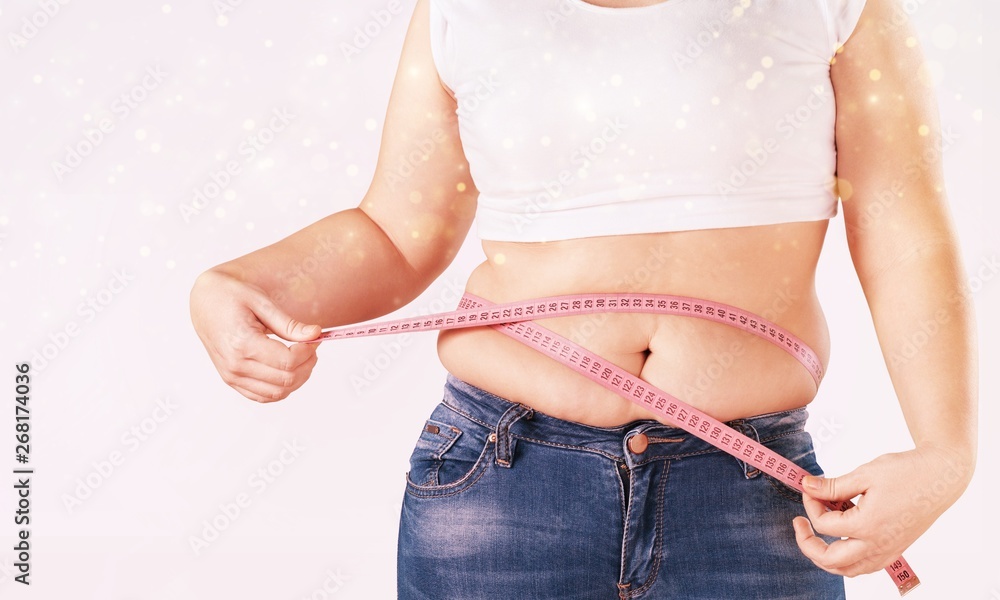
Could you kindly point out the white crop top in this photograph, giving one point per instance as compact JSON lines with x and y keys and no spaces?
{"x":580,"y":120}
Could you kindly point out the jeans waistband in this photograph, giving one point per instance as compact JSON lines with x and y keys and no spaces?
{"x":661,"y":441}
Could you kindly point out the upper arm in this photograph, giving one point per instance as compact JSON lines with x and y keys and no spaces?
{"x":889,"y":142}
{"x":421,"y":195}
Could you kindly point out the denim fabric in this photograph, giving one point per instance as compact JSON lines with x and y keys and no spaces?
{"x":505,"y":502}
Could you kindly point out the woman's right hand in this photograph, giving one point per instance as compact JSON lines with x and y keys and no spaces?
{"x":232,"y":319}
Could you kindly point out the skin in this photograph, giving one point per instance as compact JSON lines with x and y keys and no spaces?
{"x":406,"y":231}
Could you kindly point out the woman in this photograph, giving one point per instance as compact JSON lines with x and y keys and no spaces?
{"x":678,"y":147}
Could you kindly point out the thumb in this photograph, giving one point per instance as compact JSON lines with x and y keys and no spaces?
{"x":283,"y":325}
{"x":844,"y":487}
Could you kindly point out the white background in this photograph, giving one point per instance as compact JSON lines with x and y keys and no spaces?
{"x":331,"y":514}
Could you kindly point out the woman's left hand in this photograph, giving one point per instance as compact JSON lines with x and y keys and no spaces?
{"x":903,"y":493}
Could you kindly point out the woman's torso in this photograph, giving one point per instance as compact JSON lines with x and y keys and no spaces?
{"x":727,"y":373}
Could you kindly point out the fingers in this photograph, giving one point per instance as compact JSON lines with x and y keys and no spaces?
{"x":844,"y":487}
{"x":842,"y":557}
{"x":281,"y":323}
{"x":273,"y":353}
{"x":264,"y":382}
{"x":832,"y":522}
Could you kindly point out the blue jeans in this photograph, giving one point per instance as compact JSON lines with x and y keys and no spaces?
{"x":503,"y":502}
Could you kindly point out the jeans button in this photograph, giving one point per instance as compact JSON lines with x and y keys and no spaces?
{"x":638,"y":443}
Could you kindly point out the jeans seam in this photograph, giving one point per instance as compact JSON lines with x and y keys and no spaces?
{"x":670,"y":457}
{"x":466,"y":415}
{"x":658,"y":546}
{"x":626,"y":530}
{"x":567,"y":446}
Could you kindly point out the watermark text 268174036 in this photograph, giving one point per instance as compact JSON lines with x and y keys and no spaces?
{"x":22,"y":473}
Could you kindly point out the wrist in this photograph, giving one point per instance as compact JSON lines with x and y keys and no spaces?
{"x":959,"y":457}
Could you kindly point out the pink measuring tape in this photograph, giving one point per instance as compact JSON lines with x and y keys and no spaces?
{"x":514,"y":320}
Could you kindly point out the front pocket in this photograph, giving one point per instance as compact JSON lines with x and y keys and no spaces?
{"x":436,"y":438}
{"x":450,"y":454}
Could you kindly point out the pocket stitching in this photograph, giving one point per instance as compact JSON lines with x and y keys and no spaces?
{"x":460,"y":485}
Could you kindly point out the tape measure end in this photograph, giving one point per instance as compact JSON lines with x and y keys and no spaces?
{"x":911,"y":584}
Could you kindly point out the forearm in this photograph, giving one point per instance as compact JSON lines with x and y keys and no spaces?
{"x":341,"y":269}
{"x":924,"y":317}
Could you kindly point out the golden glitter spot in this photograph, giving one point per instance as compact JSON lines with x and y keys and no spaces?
{"x":923,"y":130}
{"x":355,"y":258}
{"x":844,"y":189}
{"x":874,"y":74}
{"x":499,"y":258}
{"x":460,"y":186}
{"x":794,"y":243}
{"x":427,"y":227}
{"x":767,"y":62}
{"x":416,"y":197}
{"x":873,"y":98}
{"x":715,"y":100}
{"x":777,"y":246}
{"x":911,"y":42}
{"x":755,"y":79}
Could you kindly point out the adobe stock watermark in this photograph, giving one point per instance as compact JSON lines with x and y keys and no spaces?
{"x":583,"y":157}
{"x":887,"y":197}
{"x":333,"y":582}
{"x":655,"y":260}
{"x":710,"y":31}
{"x":87,"y":310}
{"x":825,"y":432}
{"x":371,"y":29}
{"x":425,"y":148}
{"x":786,"y":127}
{"x":221,"y":179}
{"x":224,"y":7}
{"x":297,"y":279}
{"x":392,"y":349}
{"x":929,"y":498}
{"x":926,"y":329}
{"x":258,"y":482}
{"x":129,"y":442}
{"x":721,"y":361}
{"x":409,"y":163}
{"x":901,"y":11}
{"x":122,"y":107}
{"x":33,"y":25}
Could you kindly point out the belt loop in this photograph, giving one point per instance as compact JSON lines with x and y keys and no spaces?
{"x":505,"y":440}
{"x":748,"y":430}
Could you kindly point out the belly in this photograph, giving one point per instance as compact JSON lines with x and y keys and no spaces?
{"x":769,"y":270}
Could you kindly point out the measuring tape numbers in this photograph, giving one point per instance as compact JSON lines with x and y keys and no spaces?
{"x":514,"y":320}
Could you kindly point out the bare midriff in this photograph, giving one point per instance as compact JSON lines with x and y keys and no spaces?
{"x":728,"y":373}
